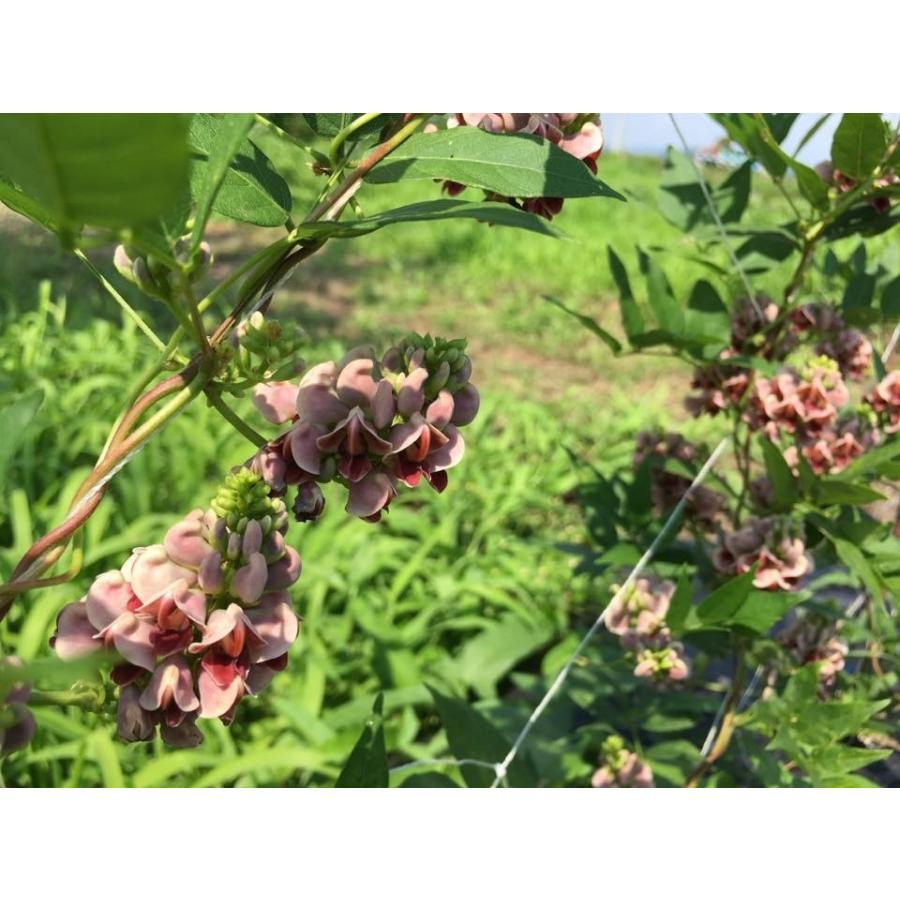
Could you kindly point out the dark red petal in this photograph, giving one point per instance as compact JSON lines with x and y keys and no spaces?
{"x":220,"y":667}
{"x":125,"y":673}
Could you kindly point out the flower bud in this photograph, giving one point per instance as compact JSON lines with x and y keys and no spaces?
{"x":309,"y":503}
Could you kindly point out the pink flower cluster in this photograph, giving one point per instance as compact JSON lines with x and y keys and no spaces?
{"x":17,"y":725}
{"x":370,"y":424}
{"x":667,"y":488}
{"x":579,"y":134}
{"x":811,"y":640}
{"x":848,"y":347}
{"x":637,"y":617}
{"x":884,"y":399}
{"x":807,"y":407}
{"x":880,"y":199}
{"x":621,"y":768}
{"x":721,"y":386}
{"x":197,"y":622}
{"x":779,"y":554}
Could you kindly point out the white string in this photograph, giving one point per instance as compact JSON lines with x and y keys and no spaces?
{"x":892,"y":343}
{"x":503,"y":767}
{"x":715,"y":214}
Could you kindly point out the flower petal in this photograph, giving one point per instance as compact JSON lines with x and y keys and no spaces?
{"x":277,"y":624}
{"x":276,"y":401}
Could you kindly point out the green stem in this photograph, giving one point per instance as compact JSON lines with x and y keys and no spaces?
{"x":261,"y":256}
{"x":269,"y":125}
{"x":89,"y":697}
{"x":227,"y":413}
{"x":129,"y":311}
{"x":344,"y":133}
{"x":726,"y":729}
{"x":193,"y":310}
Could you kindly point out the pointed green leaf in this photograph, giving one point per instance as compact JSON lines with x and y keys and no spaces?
{"x":859,"y":143}
{"x":513,"y":165}
{"x":590,"y":324}
{"x":252,"y":191}
{"x":471,"y":736}
{"x":367,"y":764}
{"x":227,"y":136}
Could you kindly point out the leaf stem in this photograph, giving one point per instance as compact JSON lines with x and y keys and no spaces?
{"x":215,"y":400}
{"x":126,"y":307}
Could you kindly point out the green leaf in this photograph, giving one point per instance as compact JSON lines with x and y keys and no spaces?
{"x":590,"y":324}
{"x":706,"y":320}
{"x":874,"y":459}
{"x":683,"y":202}
{"x":367,"y":763}
{"x":471,"y":736}
{"x":107,"y":759}
{"x":681,"y":602}
{"x":859,"y":143}
{"x":666,"y":308}
{"x":513,"y":165}
{"x":632,"y":320}
{"x":890,"y":299}
{"x":252,"y":191}
{"x":491,"y":654}
{"x":430,"y":211}
{"x":329,"y":124}
{"x":228,"y":135}
{"x":831,"y":491}
{"x":752,"y":131}
{"x":855,"y":560}
{"x":25,"y":206}
{"x":725,"y":601}
{"x":762,"y":609}
{"x":857,"y":300}
{"x":839,"y":759}
{"x":784,"y":484}
{"x":14,"y":420}
{"x":111,"y":170}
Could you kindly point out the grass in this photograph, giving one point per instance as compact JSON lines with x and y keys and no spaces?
{"x":471,"y":591}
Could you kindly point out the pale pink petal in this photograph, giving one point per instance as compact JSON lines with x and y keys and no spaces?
{"x":192,"y":603}
{"x":370,"y":495}
{"x":585,"y":142}
{"x":276,"y":400}
{"x":215,"y":701}
{"x":74,"y":636}
{"x":440,"y":411}
{"x":318,"y":405}
{"x":450,"y":454}
{"x":133,"y":639}
{"x":250,"y":580}
{"x":210,"y":575}
{"x":107,"y":598}
{"x":355,"y":384}
{"x":172,"y":682}
{"x":153,"y":572}
{"x":184,"y":543}
{"x":283,"y":573}
{"x":465,"y":405}
{"x":384,"y":408}
{"x":411,"y":395}
{"x":277,"y":624}
{"x":304,"y":446}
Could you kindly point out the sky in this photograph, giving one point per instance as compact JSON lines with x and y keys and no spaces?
{"x":651,"y":133}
